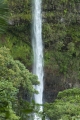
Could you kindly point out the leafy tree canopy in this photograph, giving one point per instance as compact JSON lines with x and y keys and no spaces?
{"x":65,"y":107}
{"x":16,"y":72}
{"x":15,"y":80}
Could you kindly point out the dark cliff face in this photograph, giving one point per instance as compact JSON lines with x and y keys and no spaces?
{"x":53,"y":83}
{"x":61,"y":37}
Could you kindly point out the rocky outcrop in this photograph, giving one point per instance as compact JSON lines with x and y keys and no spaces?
{"x":53,"y":83}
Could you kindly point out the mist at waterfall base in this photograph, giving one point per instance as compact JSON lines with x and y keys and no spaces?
{"x":37,"y":51}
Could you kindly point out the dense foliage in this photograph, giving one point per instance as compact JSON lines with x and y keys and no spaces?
{"x":65,"y":107}
{"x":62,"y":23}
{"x":3,"y":15}
{"x":20,"y":19}
{"x":16,"y":83}
{"x":61,"y":37}
{"x":18,"y":35}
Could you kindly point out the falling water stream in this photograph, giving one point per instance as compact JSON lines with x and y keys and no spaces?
{"x":37,"y":51}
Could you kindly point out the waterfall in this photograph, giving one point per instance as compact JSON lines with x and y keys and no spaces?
{"x":37,"y":50}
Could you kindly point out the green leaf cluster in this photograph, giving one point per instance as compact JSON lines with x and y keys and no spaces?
{"x":65,"y":107}
{"x":15,"y":71}
{"x":16,"y":83}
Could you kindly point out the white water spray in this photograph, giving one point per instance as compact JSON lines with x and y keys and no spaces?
{"x":37,"y":51}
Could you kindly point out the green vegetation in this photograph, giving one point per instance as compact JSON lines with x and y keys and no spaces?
{"x":3,"y":15}
{"x":18,"y":34}
{"x":16,"y":83}
{"x":65,"y":107}
{"x":19,"y":49}
{"x":61,"y":37}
